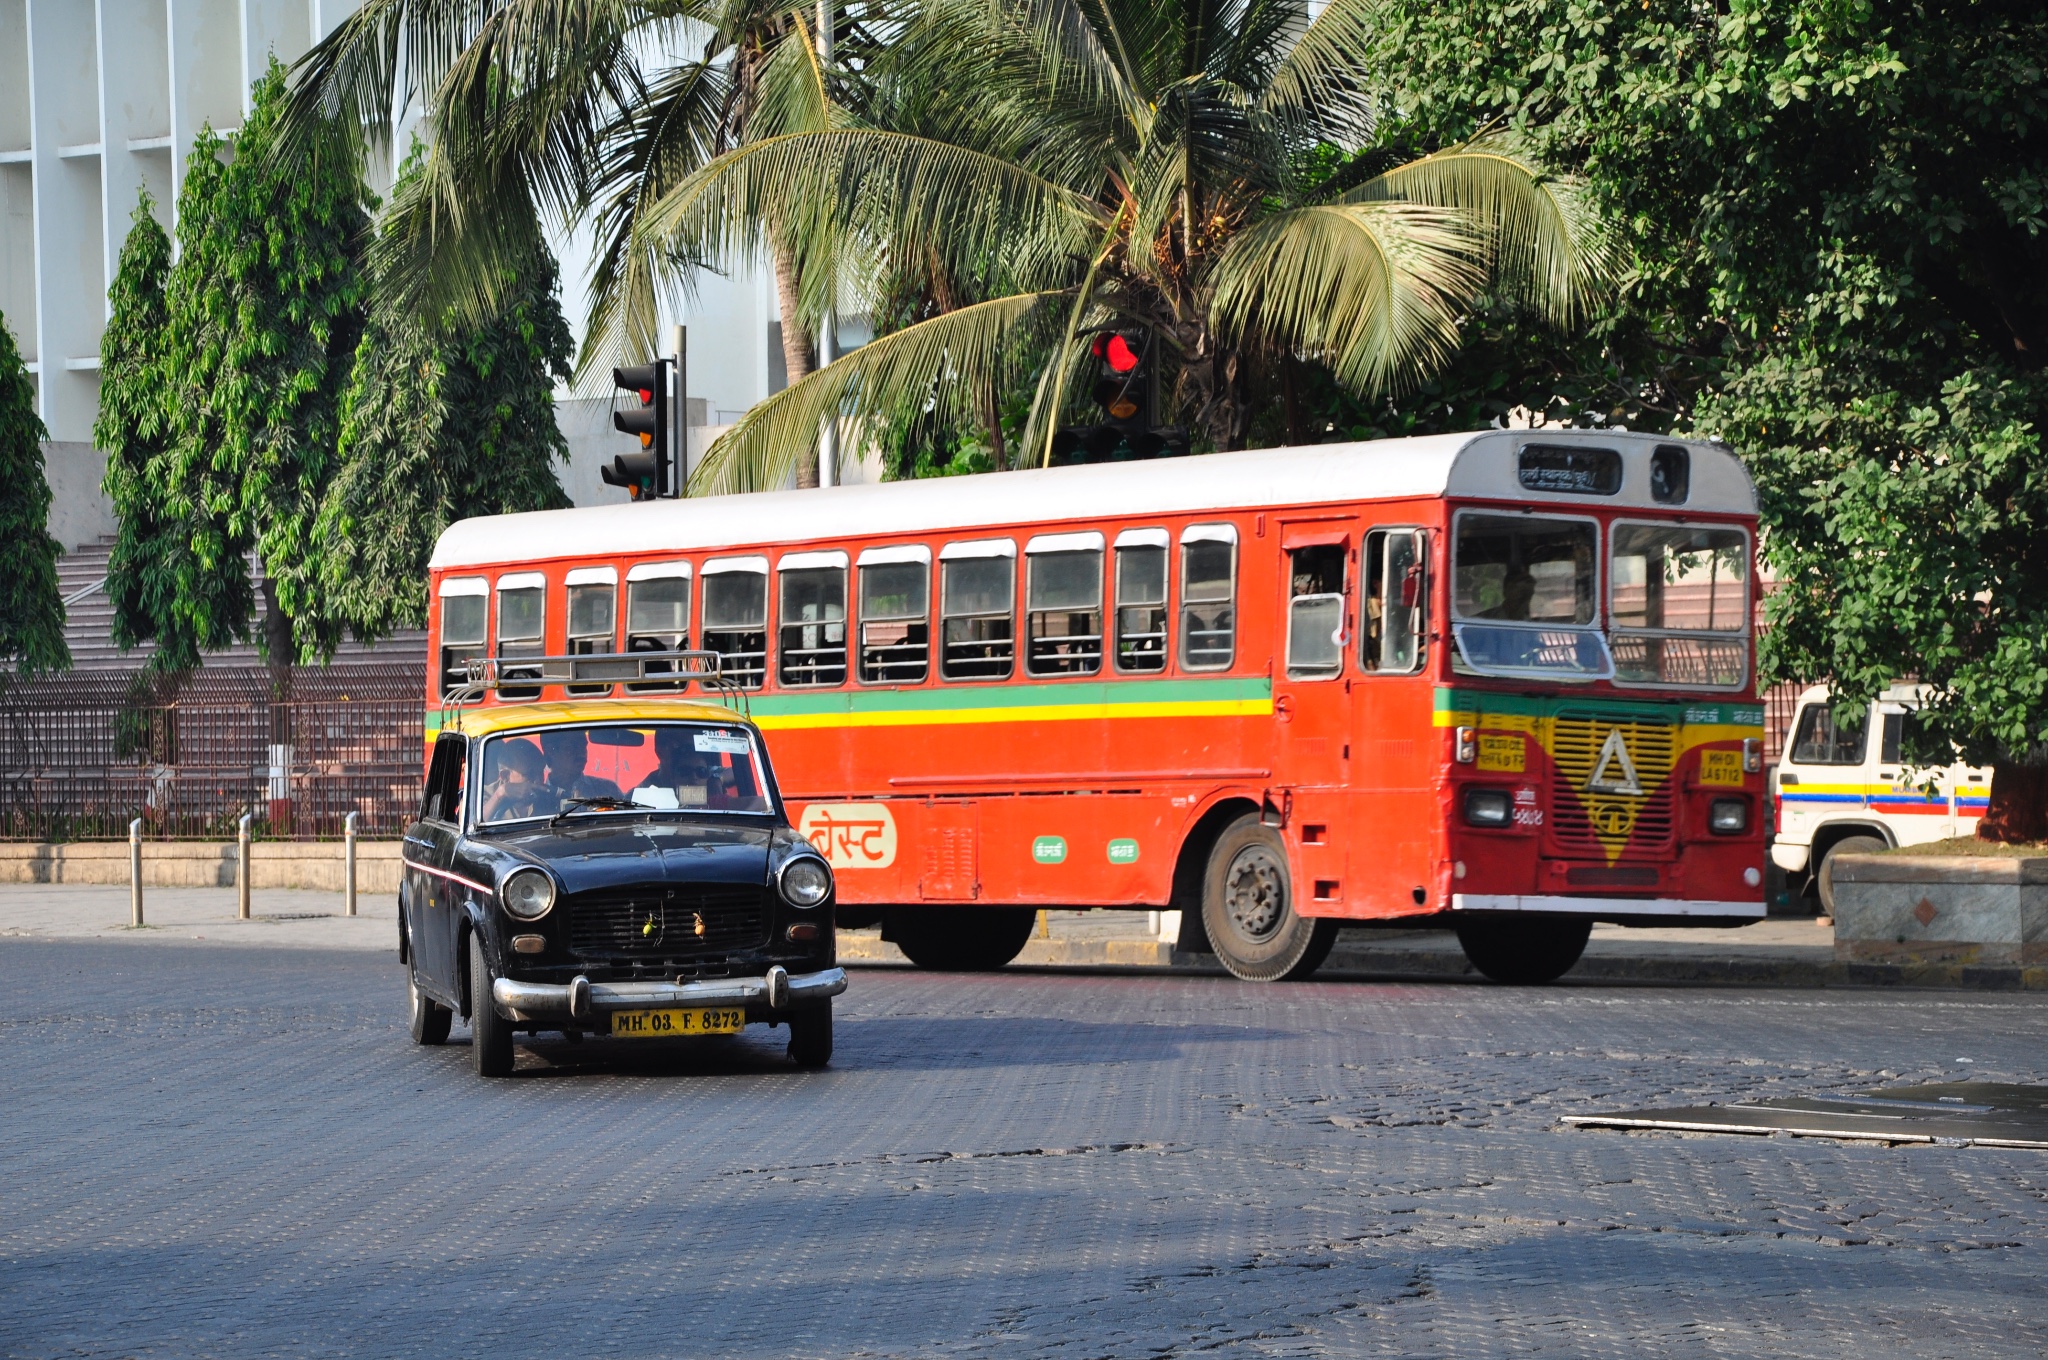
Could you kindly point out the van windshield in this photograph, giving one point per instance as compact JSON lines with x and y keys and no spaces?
{"x":600,"y":768}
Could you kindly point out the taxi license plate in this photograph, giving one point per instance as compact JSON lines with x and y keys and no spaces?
{"x":670,"y":1024}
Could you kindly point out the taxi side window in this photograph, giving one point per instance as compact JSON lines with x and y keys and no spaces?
{"x":1820,"y":740}
{"x":443,"y":798}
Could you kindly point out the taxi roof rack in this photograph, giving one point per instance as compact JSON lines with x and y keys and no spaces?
{"x":483,"y":675}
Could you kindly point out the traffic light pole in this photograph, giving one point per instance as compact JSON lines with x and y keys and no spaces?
{"x":676,"y":478}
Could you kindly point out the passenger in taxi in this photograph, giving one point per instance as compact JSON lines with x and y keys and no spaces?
{"x":515,"y":781}
{"x":568,"y":756}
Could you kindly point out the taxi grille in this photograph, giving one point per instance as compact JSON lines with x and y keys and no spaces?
{"x":1600,"y":822}
{"x":653,"y":923}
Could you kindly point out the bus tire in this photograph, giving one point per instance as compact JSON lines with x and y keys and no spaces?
{"x":1248,"y":908}
{"x":1824,"y":877}
{"x":961,"y":939}
{"x":1523,"y":953}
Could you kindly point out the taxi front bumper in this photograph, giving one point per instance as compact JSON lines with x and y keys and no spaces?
{"x":581,"y":999}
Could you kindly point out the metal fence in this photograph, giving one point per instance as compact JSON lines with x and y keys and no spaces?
{"x":83,"y":753}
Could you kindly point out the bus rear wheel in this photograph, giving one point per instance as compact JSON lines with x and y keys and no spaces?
{"x":960,"y":939}
{"x":1523,"y":953}
{"x":1248,"y":908}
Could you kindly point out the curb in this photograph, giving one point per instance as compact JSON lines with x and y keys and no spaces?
{"x":1379,"y":963}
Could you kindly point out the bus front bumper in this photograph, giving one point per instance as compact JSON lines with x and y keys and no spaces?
{"x":1607,"y":908}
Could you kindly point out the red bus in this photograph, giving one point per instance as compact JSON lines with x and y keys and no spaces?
{"x":1501,"y":681}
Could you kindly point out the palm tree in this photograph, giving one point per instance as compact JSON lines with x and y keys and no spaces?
{"x":1043,"y":169}
{"x":556,"y":112}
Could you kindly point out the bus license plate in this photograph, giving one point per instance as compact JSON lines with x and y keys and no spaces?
{"x":670,"y":1024}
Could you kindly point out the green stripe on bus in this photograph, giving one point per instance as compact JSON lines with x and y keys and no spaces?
{"x":1450,"y":699}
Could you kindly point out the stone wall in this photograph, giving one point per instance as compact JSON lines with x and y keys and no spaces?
{"x":1923,"y":909}
{"x":204,"y":864}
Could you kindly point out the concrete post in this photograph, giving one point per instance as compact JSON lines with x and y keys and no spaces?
{"x":242,"y":868}
{"x":348,"y":869}
{"x":135,"y":872}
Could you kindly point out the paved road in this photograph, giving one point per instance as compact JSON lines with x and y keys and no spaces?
{"x":233,"y":1151}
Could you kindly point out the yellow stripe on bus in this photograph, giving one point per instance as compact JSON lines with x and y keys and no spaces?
{"x":1214,"y":708}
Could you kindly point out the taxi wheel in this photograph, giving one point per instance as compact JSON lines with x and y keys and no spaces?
{"x":429,"y":1019}
{"x":961,"y":939}
{"x":490,"y":1034}
{"x":1523,"y":953}
{"x":810,"y":1036}
{"x":1824,"y":881}
{"x":1248,"y":909}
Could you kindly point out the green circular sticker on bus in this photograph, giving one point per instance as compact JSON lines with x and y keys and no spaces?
{"x":1049,"y":849}
{"x":1123,"y":852}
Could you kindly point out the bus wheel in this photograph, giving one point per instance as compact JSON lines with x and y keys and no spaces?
{"x":1523,"y":953}
{"x":1824,"y":880}
{"x":1248,"y":908}
{"x":961,"y":939}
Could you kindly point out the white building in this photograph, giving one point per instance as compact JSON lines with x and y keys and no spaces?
{"x":100,"y":99}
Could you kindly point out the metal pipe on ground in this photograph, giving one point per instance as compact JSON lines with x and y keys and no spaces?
{"x":135,"y":872}
{"x":242,"y":868}
{"x":348,"y":855}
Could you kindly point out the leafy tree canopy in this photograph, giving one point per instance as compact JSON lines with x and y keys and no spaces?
{"x":31,"y":614}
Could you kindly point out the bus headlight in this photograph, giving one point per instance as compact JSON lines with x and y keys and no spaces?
{"x":806,"y":882}
{"x":1728,"y":816}
{"x":528,"y":894}
{"x":1486,"y":807}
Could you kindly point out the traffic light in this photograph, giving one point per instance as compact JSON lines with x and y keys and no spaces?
{"x":1124,"y":383}
{"x":646,"y":473}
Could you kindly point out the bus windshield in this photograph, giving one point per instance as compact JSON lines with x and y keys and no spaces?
{"x":1526,"y":597}
{"x":599,"y":768}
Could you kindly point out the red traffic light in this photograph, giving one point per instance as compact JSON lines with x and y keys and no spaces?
{"x":1116,"y":351}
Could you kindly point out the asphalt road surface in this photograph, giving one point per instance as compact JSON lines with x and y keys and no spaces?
{"x":235,"y":1151}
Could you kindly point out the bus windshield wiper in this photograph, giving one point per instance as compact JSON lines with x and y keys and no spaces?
{"x":603,"y":803}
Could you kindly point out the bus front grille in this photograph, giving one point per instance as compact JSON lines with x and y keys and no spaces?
{"x":655,"y":923}
{"x":1611,"y":787}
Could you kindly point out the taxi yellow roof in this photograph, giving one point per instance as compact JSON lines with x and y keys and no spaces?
{"x":478,"y":722}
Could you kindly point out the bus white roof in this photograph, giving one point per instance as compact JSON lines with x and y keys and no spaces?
{"x":1477,"y":465}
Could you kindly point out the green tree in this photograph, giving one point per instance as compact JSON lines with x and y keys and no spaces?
{"x":1060,"y":167}
{"x":31,"y":613}
{"x":437,"y":424}
{"x":264,"y":312}
{"x":133,"y":430}
{"x":1838,"y":217}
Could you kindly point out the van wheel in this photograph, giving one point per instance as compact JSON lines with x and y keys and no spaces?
{"x":1521,"y":953}
{"x":1825,"y":879}
{"x":810,"y":1035}
{"x":490,"y":1034}
{"x":960,"y":939}
{"x":1248,"y":908}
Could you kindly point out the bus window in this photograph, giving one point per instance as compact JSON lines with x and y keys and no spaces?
{"x":1208,"y":589}
{"x":1396,"y":601}
{"x":1675,"y":586}
{"x":812,"y":649}
{"x":895,"y":626}
{"x":1315,"y":612}
{"x":1141,"y":600}
{"x":1820,"y":740}
{"x":1524,"y":597}
{"x":736,"y":617}
{"x":465,"y":606}
{"x":522,"y":620}
{"x":977,"y":594}
{"x":1063,"y":600}
{"x":658,"y":618}
{"x":593,"y":623}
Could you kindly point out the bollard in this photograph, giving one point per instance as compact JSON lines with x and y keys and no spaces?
{"x":242,"y":869}
{"x":135,"y":872}
{"x":348,"y":868}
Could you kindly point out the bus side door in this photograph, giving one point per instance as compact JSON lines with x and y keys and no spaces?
{"x":1311,"y":707}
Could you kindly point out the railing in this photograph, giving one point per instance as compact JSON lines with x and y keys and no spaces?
{"x":85,"y":753}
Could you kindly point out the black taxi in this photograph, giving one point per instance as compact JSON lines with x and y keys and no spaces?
{"x":614,"y":868}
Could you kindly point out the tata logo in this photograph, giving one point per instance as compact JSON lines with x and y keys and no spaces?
{"x":1615,"y":770}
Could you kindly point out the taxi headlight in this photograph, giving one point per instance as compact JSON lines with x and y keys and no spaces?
{"x":1728,"y":816}
{"x":806,"y":882}
{"x":528,"y":894}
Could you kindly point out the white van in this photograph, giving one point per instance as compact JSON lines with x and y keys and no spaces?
{"x":1839,"y":791}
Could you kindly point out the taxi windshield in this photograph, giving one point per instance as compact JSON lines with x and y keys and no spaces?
{"x":600,"y":768}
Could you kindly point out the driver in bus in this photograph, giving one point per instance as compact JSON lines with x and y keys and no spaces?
{"x":568,"y":754}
